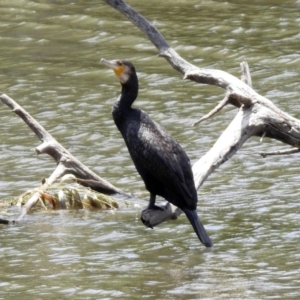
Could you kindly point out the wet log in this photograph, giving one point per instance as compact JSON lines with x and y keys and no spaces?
{"x":257,"y":115}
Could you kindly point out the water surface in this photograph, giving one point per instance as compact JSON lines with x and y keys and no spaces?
{"x":50,"y":52}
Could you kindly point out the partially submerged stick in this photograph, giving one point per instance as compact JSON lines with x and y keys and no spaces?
{"x":66,"y":162}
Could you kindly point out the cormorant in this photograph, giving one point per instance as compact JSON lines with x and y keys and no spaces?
{"x":159,"y":159}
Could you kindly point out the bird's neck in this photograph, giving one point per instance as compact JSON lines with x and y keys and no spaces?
{"x":129,"y":92}
{"x":123,"y":104}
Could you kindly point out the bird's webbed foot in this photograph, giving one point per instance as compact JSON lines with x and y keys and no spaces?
{"x":154,"y":214}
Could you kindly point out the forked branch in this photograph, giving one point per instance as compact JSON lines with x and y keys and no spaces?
{"x":257,"y":116}
{"x":66,"y":162}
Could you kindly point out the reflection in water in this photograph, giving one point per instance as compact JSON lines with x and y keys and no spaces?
{"x":50,"y":52}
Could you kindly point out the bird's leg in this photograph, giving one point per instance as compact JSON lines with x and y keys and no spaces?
{"x":154,"y":214}
{"x":151,"y":204}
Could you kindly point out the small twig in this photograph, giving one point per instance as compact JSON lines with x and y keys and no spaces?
{"x":246,"y":77}
{"x":280,"y":152}
{"x":262,"y":137}
{"x":32,"y":201}
{"x":223,"y":103}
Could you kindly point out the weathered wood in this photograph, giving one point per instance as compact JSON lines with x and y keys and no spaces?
{"x":66,"y":162}
{"x":219,"y":107}
{"x":257,"y":115}
{"x":246,"y":77}
{"x":153,"y":217}
{"x":281,"y":152}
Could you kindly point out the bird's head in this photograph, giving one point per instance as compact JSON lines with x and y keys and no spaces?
{"x":122,"y":68}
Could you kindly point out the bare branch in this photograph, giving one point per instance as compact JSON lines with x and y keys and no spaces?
{"x":223,"y":103}
{"x":256,"y":115}
{"x":246,"y":77}
{"x":28,"y":205}
{"x":148,"y":29}
{"x":66,"y":163}
{"x":234,"y":136}
{"x":281,"y":152}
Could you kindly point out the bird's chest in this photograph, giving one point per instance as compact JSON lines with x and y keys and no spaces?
{"x":139,"y":141}
{"x":137,"y":137}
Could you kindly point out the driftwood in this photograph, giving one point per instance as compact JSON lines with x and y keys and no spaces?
{"x":257,"y":116}
{"x":66,"y":162}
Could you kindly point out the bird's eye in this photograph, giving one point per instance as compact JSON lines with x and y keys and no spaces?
{"x":119,"y":63}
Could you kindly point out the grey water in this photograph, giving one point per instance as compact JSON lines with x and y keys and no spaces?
{"x":49,"y":64}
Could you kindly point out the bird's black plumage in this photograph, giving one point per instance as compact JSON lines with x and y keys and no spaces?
{"x":158,"y":157}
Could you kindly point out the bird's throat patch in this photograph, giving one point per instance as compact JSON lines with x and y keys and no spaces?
{"x":119,"y":71}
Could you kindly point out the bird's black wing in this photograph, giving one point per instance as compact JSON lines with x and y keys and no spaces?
{"x":157,"y":153}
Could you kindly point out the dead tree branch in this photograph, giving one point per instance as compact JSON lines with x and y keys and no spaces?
{"x":66,"y":162}
{"x":281,"y":152}
{"x":257,"y":115}
{"x":219,"y":107}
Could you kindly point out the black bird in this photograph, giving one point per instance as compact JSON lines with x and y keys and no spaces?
{"x":159,"y":159}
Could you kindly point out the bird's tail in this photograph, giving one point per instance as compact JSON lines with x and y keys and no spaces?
{"x":198,"y":227}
